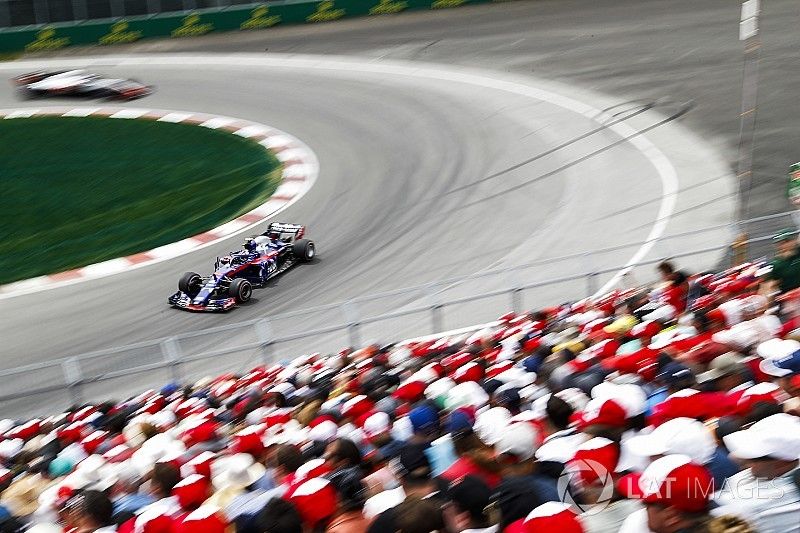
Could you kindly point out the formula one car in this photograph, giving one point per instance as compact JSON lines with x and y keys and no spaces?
{"x":261,"y":258}
{"x":79,"y":83}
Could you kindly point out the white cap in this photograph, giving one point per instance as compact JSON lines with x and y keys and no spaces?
{"x":440,"y":387}
{"x":466,"y":394}
{"x":740,"y":336}
{"x":777,"y":348}
{"x":491,"y":424}
{"x":325,"y":431}
{"x":663,"y":313}
{"x":777,"y":436}
{"x":11,"y":447}
{"x":377,"y":423}
{"x":519,"y":439}
{"x":684,"y":436}
{"x":402,"y":429}
{"x":631,"y":397}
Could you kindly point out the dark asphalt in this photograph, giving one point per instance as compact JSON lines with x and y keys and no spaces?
{"x":636,"y":49}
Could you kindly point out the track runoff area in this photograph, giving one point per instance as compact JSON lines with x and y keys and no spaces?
{"x":105,"y":188}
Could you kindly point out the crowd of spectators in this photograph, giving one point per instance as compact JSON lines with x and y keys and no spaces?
{"x":666,"y":409}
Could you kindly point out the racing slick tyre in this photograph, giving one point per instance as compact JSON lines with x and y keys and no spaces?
{"x":241,"y":290}
{"x":304,"y":250}
{"x":190,"y":283}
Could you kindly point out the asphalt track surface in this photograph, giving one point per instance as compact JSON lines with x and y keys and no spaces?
{"x":395,"y":206}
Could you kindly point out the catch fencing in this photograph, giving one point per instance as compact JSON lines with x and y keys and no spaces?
{"x":418,"y":311}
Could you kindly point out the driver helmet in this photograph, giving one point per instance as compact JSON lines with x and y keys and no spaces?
{"x":250,"y":245}
{"x":225,"y":260}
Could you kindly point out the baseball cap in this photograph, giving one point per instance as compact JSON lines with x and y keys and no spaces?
{"x":553,"y":516}
{"x":663,"y":313}
{"x":785,"y":366}
{"x":677,"y":436}
{"x":491,"y":424}
{"x":424,"y":419}
{"x":723,"y":365}
{"x":594,"y":460}
{"x":777,"y":437}
{"x":376,"y":424}
{"x":622,"y":324}
{"x":459,"y":420}
{"x":777,"y":348}
{"x":520,"y":440}
{"x":675,"y":374}
{"x":674,"y":481}
{"x":413,"y":463}
{"x":632,"y":398}
{"x":602,"y":412}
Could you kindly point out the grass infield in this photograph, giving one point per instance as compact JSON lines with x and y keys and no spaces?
{"x":79,"y":190}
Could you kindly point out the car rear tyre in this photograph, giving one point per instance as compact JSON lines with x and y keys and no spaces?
{"x":241,"y":290}
{"x":190,"y":283}
{"x":304,"y":250}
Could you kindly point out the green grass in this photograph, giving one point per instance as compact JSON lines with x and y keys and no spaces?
{"x":76,"y":191}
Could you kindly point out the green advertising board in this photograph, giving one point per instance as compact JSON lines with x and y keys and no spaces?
{"x":794,"y":185}
{"x":201,"y":22}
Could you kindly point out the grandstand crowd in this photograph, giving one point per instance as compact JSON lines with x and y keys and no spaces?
{"x":669,"y":408}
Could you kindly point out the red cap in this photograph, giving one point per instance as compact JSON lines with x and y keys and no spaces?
{"x":206,"y":519}
{"x":72,"y":432}
{"x":82,"y":413}
{"x":469,"y":372}
{"x":118,"y":453}
{"x":410,"y":391}
{"x":455,"y":361}
{"x":357,"y":406}
{"x":594,"y":460}
{"x":278,"y":416}
{"x":200,"y":464}
{"x":311,"y":469}
{"x":93,"y":441}
{"x":760,"y":393}
{"x":192,"y":491}
{"x":531,"y":344}
{"x":248,"y":441}
{"x":154,"y":519}
{"x":315,"y":500}
{"x":646,"y":329}
{"x":602,"y":412}
{"x":498,"y":368}
{"x":631,"y":363}
{"x":203,"y":432}
{"x":25,"y":431}
{"x":673,"y":480}
{"x":553,"y":516}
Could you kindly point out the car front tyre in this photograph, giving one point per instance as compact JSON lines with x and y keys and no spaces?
{"x":241,"y":289}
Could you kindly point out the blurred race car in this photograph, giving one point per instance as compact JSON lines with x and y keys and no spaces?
{"x":261,"y":258}
{"x":79,"y":83}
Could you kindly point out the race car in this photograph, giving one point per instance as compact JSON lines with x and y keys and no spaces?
{"x":262,"y":258}
{"x":79,"y":83}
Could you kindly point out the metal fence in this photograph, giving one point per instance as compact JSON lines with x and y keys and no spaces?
{"x":28,"y":12}
{"x":445,"y":305}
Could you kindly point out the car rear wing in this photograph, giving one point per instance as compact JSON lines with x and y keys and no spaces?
{"x":296,"y":231}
